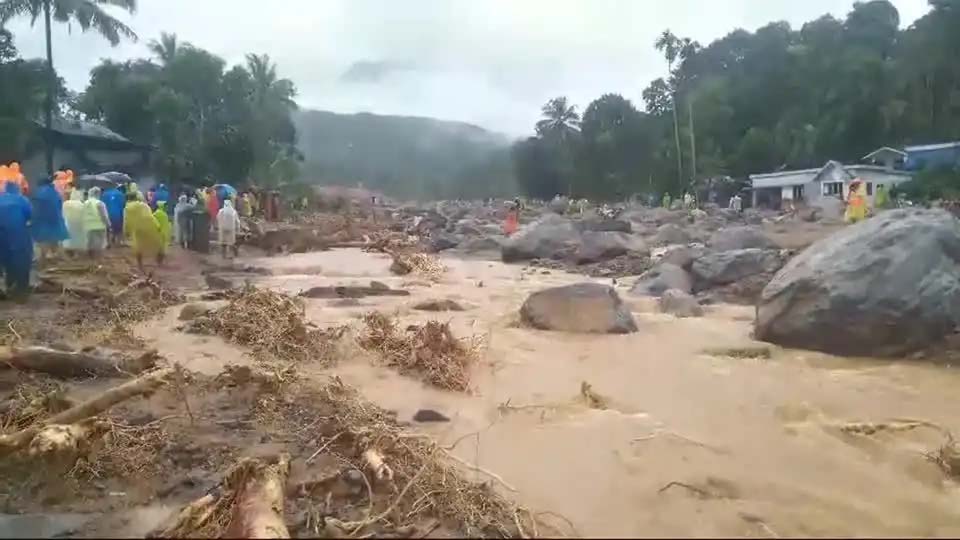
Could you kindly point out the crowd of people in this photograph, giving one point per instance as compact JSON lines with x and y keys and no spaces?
{"x":59,"y":217}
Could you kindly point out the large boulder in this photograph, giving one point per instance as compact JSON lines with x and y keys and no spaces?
{"x":670,"y":233}
{"x":730,"y":238}
{"x":683,"y":256}
{"x":601,"y":245}
{"x":729,"y":266}
{"x":660,"y":278}
{"x":550,"y":237}
{"x":884,"y":287}
{"x":610,"y":225}
{"x":680,"y":304}
{"x":441,"y":242}
{"x":483,"y":243}
{"x":582,"y":307}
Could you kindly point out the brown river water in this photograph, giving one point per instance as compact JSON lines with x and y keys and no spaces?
{"x":752,"y":445}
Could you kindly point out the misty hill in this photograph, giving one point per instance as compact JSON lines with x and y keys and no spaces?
{"x":404,"y":156}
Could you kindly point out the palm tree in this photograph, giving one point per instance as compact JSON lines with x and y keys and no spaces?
{"x":671,"y":47}
{"x":87,"y":14}
{"x":267,"y":87}
{"x":560,"y":124}
{"x":165,"y":48}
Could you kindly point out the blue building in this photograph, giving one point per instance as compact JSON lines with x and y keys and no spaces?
{"x":932,"y":156}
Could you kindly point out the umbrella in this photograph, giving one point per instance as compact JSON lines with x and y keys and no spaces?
{"x":226,"y":188}
{"x":101,"y":181}
{"x":118,"y":177}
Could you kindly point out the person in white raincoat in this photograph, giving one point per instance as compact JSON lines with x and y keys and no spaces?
{"x":228,"y":223}
{"x":74,"y":214}
{"x":180,"y":221}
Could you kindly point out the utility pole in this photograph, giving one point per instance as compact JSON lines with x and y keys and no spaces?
{"x":51,"y":89}
{"x":693,"y":145}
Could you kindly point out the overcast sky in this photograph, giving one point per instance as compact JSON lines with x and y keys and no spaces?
{"x":489,"y":62}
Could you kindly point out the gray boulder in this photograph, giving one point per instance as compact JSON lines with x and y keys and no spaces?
{"x":670,"y":233}
{"x":660,"y":278}
{"x":883,"y":287}
{"x":610,"y":225}
{"x":683,"y":256}
{"x":680,"y":304}
{"x":600,"y":245}
{"x":550,"y":237}
{"x":583,"y":307}
{"x":485,"y":243}
{"x":441,"y":242}
{"x":729,"y":266}
{"x":731,"y":238}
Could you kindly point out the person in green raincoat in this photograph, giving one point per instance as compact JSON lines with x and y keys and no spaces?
{"x":881,"y":198}
{"x":166,"y":227}
{"x":142,"y":229}
{"x":666,"y":200}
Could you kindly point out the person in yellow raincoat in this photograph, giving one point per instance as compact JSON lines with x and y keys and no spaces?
{"x":856,"y":203}
{"x":166,"y":227}
{"x":142,"y":229}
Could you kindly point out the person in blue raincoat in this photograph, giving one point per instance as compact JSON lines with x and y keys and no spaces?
{"x":162,"y":196}
{"x":115,"y":202}
{"x":16,"y":246}
{"x":47,"y":224}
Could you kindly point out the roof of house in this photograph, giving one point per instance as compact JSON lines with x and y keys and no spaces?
{"x":81,"y":128}
{"x":884,"y":150}
{"x":929,"y":147}
{"x":832,"y":171}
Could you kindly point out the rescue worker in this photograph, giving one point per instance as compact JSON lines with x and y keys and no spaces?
{"x":228,"y":223}
{"x":142,"y":230}
{"x":16,"y":246}
{"x":73,"y":216}
{"x":47,"y":226}
{"x":96,"y":222}
{"x":856,"y":203}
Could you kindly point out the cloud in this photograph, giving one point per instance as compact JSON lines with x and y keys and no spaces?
{"x":491,"y":62}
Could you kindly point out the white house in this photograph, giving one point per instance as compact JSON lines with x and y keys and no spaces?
{"x":819,"y":187}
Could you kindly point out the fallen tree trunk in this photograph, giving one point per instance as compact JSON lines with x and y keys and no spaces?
{"x":93,"y":362}
{"x":351,"y":292}
{"x":145,"y":384}
{"x":249,"y":500}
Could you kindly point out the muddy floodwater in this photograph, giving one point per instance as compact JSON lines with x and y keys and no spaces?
{"x":692,"y":442}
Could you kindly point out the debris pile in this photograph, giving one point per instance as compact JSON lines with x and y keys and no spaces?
{"x":420,"y":263}
{"x":429,"y":350}
{"x":271,"y":323}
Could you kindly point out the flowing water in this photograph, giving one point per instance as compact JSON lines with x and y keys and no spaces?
{"x":690,"y":444}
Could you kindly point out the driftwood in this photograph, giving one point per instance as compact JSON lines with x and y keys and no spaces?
{"x":144,"y":384}
{"x":351,"y":292}
{"x":249,"y":501}
{"x":91,"y":362}
{"x":51,"y":285}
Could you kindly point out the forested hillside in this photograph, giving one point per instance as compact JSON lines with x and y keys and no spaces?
{"x":404,"y":156}
{"x":752,"y":102}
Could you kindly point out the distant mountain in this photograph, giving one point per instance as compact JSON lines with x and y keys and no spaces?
{"x":405,"y":156}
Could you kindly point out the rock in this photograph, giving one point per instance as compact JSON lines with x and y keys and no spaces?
{"x":662,"y":277}
{"x":582,"y":307}
{"x":550,"y":237}
{"x":486,"y":243}
{"x":379,"y":286}
{"x":731,"y":238}
{"x":886,"y":286}
{"x":217,"y":282}
{"x":670,"y":233}
{"x":680,"y":303}
{"x":438,"y":305}
{"x":190,"y":312}
{"x":602,"y":245}
{"x":605,"y":225}
{"x":683,"y":256}
{"x":429,"y":415}
{"x":730,"y":266}
{"x":440,"y":242}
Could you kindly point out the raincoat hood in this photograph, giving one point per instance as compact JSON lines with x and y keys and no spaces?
{"x":76,"y":195}
{"x":93,"y":193}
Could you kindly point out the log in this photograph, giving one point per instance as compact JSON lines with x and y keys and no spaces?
{"x":258,"y":511}
{"x":351,"y":292}
{"x":59,"y":440}
{"x":93,"y":362}
{"x":144,"y":384}
{"x":375,"y":462}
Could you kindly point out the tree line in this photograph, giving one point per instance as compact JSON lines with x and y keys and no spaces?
{"x":206,"y":120}
{"x":753,"y":102}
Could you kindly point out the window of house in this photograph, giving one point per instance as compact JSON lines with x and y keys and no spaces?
{"x":797,"y":193}
{"x":869,"y":188}
{"x":832,"y":188}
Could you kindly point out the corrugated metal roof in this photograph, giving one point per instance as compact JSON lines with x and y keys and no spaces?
{"x":928,"y":147}
{"x":884,"y":149}
{"x":832,"y":171}
{"x":80,"y":128}
{"x":783,"y":178}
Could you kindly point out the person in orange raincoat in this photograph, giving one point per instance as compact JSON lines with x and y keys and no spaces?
{"x":17,"y":176}
{"x":513,"y":218}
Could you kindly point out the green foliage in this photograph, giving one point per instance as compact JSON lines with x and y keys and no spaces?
{"x":931,"y":184}
{"x":86,"y":14}
{"x":776,"y":98}
{"x":205,"y":122}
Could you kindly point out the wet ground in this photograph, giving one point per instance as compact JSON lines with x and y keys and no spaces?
{"x":692,"y":442}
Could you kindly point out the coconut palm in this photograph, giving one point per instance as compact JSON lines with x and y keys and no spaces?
{"x":165,"y":48}
{"x":671,"y":47}
{"x":86,"y":14}
{"x":559,"y":119}
{"x":267,"y":87}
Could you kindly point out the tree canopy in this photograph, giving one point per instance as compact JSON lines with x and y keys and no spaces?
{"x":753,"y":102}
